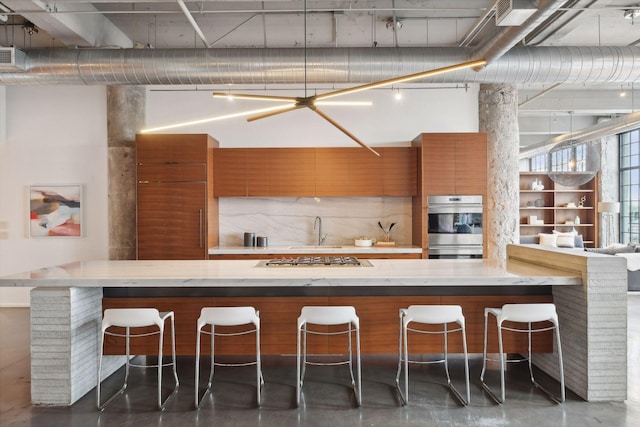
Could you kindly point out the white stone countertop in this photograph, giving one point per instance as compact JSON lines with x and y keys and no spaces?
{"x":310,"y":249}
{"x":383,"y":272}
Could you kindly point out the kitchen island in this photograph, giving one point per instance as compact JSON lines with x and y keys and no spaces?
{"x":67,"y":305}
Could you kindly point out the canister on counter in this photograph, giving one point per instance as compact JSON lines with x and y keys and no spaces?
{"x":249,"y":239}
{"x":261,"y":242}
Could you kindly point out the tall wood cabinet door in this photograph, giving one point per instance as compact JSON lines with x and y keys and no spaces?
{"x":230,"y":172}
{"x":439,"y":164}
{"x":399,"y":169}
{"x":365,"y":173}
{"x":172,"y":220}
{"x":332,"y":172}
{"x":471,"y":164}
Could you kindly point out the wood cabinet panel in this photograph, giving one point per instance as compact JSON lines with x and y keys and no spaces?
{"x":171,"y":148}
{"x":177,"y":215}
{"x":332,"y":172}
{"x":295,"y":174}
{"x":365,"y":172}
{"x":471,"y":164}
{"x":172,"y":172}
{"x":230,"y":172}
{"x":399,"y":171}
{"x":172,"y":221}
{"x":262,"y":166}
{"x":439,"y":164}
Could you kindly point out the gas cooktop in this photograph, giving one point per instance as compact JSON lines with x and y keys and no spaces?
{"x":316,"y":261}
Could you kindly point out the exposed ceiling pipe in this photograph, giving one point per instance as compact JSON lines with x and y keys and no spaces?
{"x":611,"y":127}
{"x":193,"y":22}
{"x":547,"y":65}
{"x":506,"y":38}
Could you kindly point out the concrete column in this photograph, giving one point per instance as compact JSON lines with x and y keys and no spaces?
{"x":125,"y":117}
{"x":498,"y":111}
{"x":609,"y":187}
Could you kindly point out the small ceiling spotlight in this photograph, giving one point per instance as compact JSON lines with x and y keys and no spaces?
{"x":30,"y":28}
{"x":623,"y":93}
{"x":398,"y":95}
{"x":631,"y":13}
{"x":390,"y":24}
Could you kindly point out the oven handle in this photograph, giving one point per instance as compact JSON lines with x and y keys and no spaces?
{"x":445,"y":209}
{"x":455,"y":250}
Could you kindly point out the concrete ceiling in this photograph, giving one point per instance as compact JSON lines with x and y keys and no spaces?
{"x":153,"y":24}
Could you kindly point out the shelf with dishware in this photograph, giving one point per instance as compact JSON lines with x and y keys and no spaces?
{"x":546,"y":206}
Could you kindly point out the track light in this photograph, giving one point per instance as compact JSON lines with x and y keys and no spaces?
{"x":623,"y":93}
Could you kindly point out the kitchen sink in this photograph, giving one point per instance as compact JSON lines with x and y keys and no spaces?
{"x":315,"y":247}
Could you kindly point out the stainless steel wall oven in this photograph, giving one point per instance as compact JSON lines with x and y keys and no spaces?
{"x":454,"y":226}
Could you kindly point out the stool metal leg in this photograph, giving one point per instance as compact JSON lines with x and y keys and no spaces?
{"x":359,"y":369}
{"x":549,"y":394}
{"x":402,"y":359}
{"x":161,"y":403}
{"x":101,"y":406}
{"x":198,"y":399}
{"x":485,"y":386}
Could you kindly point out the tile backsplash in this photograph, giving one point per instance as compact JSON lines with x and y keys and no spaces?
{"x":290,"y":220}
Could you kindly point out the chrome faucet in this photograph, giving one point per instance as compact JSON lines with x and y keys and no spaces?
{"x":318,"y":223}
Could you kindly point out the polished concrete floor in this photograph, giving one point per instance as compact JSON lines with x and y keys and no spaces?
{"x":327,"y":400}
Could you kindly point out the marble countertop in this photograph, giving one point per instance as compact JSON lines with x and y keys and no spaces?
{"x":311,"y":249}
{"x":401,"y":272}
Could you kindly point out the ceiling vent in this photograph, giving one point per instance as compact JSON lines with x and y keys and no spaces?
{"x":11,"y":59}
{"x":513,"y":13}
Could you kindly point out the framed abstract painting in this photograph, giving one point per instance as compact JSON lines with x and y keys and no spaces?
{"x":55,"y":210}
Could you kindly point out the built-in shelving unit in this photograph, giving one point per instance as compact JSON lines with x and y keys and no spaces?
{"x":558,"y":207}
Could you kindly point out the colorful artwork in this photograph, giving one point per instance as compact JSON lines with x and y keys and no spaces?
{"x":55,"y":211}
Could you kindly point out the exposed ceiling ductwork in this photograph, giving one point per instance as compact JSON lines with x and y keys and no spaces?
{"x":324,"y":65}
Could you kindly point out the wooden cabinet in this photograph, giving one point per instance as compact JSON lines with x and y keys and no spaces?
{"x":177,"y":216}
{"x":309,"y":172}
{"x":448,"y":163}
{"x":453,"y":163}
{"x":556,"y":207}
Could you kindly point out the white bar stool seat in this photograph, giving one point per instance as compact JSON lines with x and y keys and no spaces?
{"x":328,"y":315}
{"x":227,"y":316}
{"x":522,"y":313}
{"x":430,"y":315}
{"x":137,"y":318}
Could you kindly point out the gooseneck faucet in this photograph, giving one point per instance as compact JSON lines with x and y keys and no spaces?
{"x":317,"y":223}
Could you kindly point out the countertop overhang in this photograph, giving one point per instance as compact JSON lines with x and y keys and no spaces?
{"x":247,"y":273}
{"x":311,"y":249}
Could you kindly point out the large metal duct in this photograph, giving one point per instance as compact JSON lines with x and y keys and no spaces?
{"x":324,"y":65}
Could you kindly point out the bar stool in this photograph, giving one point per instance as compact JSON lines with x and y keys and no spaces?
{"x":137,"y":318}
{"x":331,"y":315}
{"x":430,"y":315}
{"x":227,"y":316}
{"x":522,"y":313}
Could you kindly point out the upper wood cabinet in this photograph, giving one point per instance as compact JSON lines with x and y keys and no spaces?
{"x":177,"y":215}
{"x":308,"y":172}
{"x":453,"y":163}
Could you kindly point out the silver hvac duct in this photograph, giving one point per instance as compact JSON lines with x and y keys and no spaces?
{"x":606,"y":64}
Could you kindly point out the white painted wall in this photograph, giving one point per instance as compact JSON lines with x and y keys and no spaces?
{"x":55,"y":135}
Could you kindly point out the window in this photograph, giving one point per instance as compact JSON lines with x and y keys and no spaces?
{"x":571,"y":158}
{"x":629,"y":185}
{"x":538,"y":163}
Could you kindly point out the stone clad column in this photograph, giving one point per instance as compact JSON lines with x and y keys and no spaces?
{"x":498,"y":117}
{"x":125,"y":117}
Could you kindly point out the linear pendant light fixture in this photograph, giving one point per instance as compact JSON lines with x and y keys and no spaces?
{"x":312,"y":102}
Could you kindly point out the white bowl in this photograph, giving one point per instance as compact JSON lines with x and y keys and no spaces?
{"x":364,"y":242}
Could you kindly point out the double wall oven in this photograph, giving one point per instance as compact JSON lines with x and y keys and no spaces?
{"x":454,"y":226}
